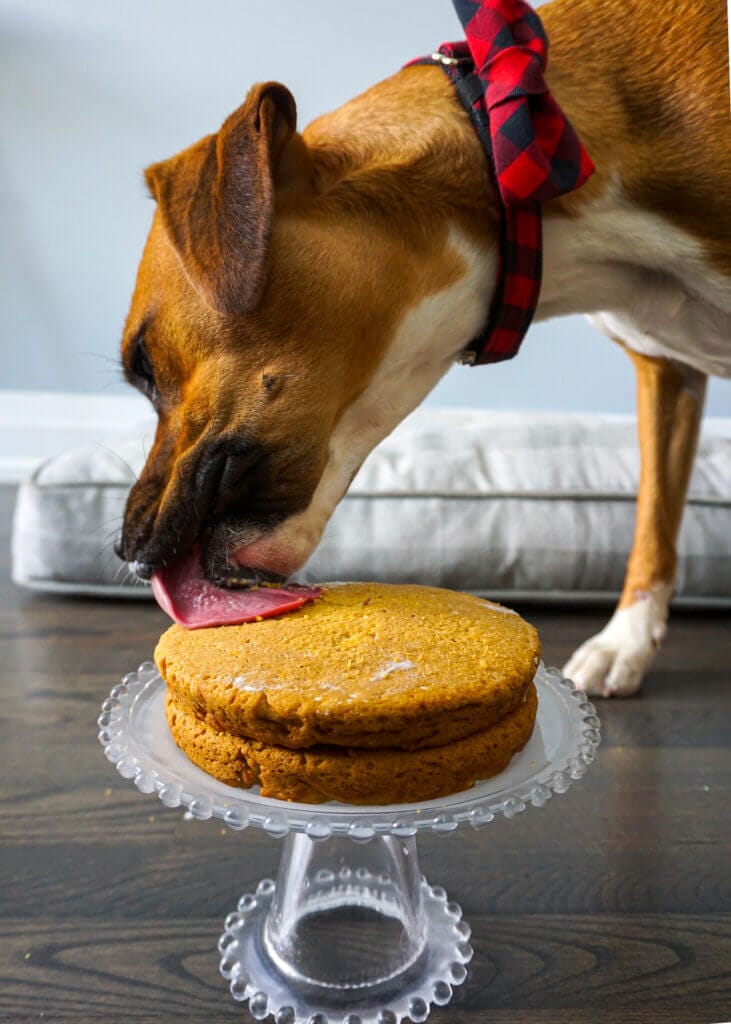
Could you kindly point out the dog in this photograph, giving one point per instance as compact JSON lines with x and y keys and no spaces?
{"x":300,"y":293}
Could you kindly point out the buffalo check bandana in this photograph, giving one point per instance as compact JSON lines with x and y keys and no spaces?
{"x":533,"y":152}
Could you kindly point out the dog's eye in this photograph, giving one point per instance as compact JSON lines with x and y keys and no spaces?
{"x":142,"y":368}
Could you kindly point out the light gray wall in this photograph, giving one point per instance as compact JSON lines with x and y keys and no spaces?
{"x":91,"y":92}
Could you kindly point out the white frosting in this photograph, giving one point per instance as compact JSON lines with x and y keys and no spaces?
{"x":251,"y":683}
{"x":392,"y":666}
{"x":499,"y":608}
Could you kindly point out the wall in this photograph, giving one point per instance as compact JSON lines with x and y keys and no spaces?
{"x":92,"y":92}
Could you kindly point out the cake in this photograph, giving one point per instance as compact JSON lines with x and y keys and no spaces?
{"x":373,"y":693}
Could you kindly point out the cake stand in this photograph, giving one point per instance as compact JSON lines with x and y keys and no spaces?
{"x":350,"y":932}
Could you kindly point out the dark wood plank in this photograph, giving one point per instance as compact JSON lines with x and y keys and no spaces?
{"x":122,"y":970}
{"x":612,"y":903}
{"x":482,"y":874}
{"x":454,"y":1015}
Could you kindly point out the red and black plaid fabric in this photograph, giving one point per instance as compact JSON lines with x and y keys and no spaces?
{"x":533,"y":151}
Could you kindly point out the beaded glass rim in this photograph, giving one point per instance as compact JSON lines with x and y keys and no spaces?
{"x":180,"y":783}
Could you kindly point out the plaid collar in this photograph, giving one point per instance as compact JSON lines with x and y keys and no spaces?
{"x":533,"y":152}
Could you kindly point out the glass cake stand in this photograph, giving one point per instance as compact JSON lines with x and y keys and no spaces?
{"x":350,"y":932}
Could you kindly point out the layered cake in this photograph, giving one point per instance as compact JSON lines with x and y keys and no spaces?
{"x":371,"y":694}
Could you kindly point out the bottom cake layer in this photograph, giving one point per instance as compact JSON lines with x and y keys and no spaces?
{"x":351,"y":775}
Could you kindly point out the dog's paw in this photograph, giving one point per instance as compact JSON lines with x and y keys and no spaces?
{"x":613,"y":663}
{"x":604,"y":668}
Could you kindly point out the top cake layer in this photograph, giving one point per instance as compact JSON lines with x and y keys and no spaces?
{"x":366,"y":665}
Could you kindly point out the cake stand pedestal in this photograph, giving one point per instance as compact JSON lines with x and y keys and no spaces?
{"x":350,"y":932}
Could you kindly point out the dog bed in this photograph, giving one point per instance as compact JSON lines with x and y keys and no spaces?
{"x":514,"y":505}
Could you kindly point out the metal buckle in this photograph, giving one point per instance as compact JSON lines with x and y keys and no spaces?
{"x":443,"y":58}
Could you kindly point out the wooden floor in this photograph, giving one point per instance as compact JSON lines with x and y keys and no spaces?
{"x":611,"y":904}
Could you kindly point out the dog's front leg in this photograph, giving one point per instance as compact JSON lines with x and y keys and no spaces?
{"x":669,"y":409}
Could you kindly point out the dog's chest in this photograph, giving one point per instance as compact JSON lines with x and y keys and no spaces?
{"x":679,"y":309}
{"x":646,"y":282}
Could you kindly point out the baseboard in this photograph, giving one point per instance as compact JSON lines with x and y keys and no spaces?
{"x":36,"y":425}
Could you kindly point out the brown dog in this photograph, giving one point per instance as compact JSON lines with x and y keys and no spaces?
{"x":299,"y":294}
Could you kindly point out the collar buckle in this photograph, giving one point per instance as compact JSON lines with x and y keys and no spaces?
{"x":444,"y":58}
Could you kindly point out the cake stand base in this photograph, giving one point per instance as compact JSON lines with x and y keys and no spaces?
{"x":348,"y":933}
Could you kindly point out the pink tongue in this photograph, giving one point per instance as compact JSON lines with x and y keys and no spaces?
{"x":186,"y":595}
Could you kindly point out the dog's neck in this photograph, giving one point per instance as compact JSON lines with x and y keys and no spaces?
{"x":405,"y":142}
{"x":408,"y":142}
{"x":407,"y":145}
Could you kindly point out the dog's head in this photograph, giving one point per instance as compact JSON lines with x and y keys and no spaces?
{"x":282,"y":324}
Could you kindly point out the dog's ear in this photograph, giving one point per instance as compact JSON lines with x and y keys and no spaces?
{"x":216,"y":199}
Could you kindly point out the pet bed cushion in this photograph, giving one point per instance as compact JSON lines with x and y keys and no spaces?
{"x":514,"y":505}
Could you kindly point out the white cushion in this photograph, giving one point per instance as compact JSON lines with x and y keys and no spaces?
{"x":515,"y":505}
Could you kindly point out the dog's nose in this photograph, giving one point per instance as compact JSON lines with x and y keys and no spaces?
{"x":223,"y":479}
{"x":225,"y":474}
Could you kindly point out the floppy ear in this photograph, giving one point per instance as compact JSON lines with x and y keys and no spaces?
{"x":216,"y":199}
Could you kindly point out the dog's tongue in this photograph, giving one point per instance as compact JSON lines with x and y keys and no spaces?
{"x":186,"y":595}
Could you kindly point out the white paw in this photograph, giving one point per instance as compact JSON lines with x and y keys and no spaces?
{"x":605,"y":669}
{"x":613,"y":663}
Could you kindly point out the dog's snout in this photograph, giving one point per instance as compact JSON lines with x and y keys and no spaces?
{"x":225,"y":474}
{"x":143,"y":570}
{"x":224,"y":481}
{"x":237,"y":475}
